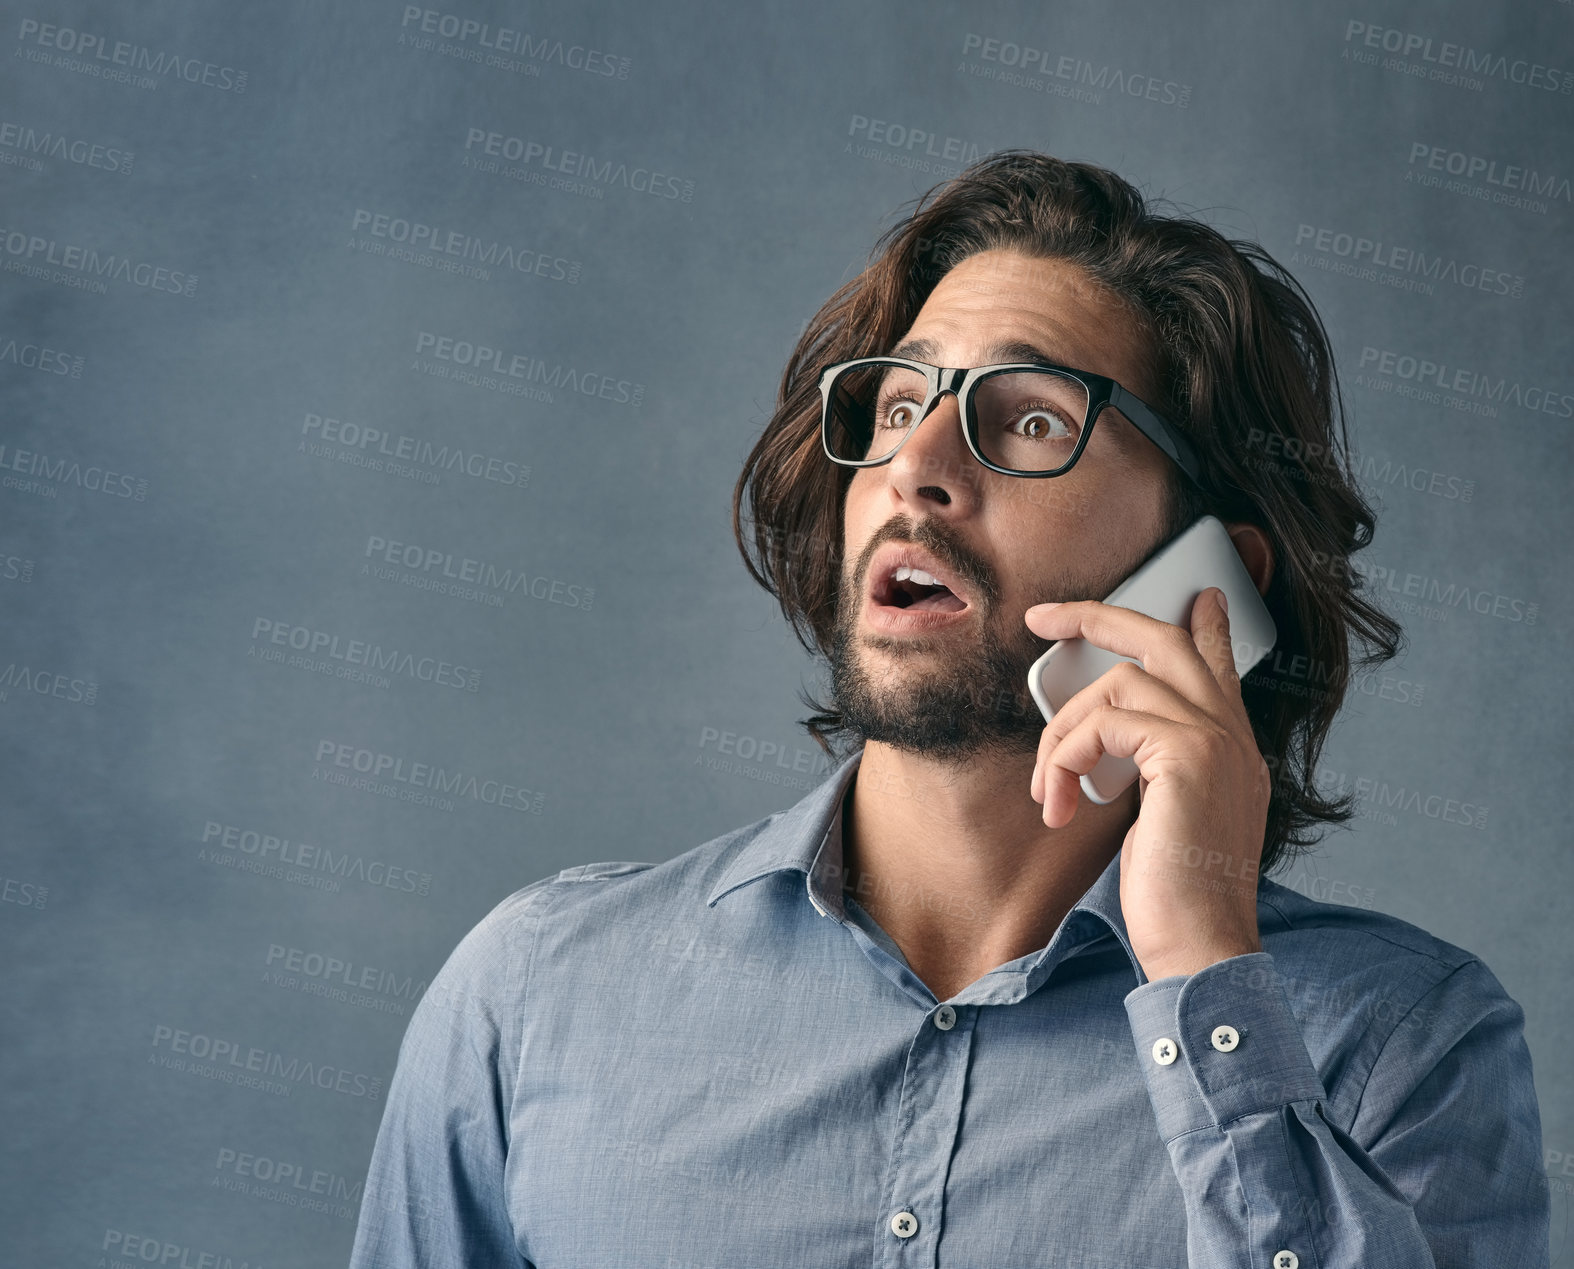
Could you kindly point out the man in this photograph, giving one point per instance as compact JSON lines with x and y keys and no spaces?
{"x":945,"y":1010}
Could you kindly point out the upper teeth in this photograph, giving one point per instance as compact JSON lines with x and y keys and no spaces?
{"x":915,"y":574}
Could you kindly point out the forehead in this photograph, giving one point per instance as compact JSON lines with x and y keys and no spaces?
{"x":1005,"y":306}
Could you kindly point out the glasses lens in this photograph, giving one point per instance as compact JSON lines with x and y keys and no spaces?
{"x":872,"y":407}
{"x":1030,"y":420}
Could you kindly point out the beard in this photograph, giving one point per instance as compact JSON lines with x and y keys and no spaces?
{"x":949,"y":703}
{"x":951,"y":695}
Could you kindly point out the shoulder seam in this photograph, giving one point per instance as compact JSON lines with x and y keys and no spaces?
{"x":602,"y":871}
{"x":1465,"y":956}
{"x":1366,"y":1083}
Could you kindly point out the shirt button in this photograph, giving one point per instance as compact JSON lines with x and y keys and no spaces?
{"x":1224,"y":1040}
{"x":905,"y":1225}
{"x":1164,"y":1050}
{"x":1285,"y":1260}
{"x":945,"y":1017}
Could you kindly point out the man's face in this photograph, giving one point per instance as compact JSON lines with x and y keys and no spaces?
{"x":959,"y":688}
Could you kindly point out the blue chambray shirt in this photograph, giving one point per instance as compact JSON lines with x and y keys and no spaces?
{"x":721,"y":1061}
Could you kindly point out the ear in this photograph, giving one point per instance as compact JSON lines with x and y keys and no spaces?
{"x":1256,"y":552}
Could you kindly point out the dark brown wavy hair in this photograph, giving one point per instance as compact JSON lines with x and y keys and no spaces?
{"x":1241,"y":362}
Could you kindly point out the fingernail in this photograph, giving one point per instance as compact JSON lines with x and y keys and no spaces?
{"x":1044,"y":607}
{"x":1224,"y":601}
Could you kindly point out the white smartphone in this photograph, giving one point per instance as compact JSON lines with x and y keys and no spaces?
{"x":1165,"y":586}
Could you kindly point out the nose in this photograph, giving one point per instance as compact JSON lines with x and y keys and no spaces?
{"x":934,"y":462}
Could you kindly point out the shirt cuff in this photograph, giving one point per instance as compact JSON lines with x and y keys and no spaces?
{"x":1220,"y":1044}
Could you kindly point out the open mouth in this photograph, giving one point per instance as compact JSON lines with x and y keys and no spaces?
{"x":916,"y":590}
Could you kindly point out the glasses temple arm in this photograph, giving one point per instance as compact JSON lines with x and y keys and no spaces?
{"x":1160,"y":431}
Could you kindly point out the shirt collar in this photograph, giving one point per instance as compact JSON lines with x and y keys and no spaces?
{"x":792,"y":838}
{"x":801,"y":839}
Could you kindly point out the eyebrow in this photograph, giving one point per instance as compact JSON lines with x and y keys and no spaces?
{"x":1003,"y":350}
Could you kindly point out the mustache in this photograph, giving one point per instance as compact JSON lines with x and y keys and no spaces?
{"x":937,"y":540}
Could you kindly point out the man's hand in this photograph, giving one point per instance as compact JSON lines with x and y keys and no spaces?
{"x":1188,"y":869}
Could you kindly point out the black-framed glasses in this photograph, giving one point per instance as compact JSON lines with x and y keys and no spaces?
{"x":1019,"y":418}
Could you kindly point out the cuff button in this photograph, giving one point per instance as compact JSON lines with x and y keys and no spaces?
{"x":1285,"y":1260}
{"x":1224,"y":1040}
{"x":1164,"y":1050}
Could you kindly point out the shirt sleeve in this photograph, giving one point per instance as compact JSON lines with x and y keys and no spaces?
{"x":434,"y":1193}
{"x":1438,"y":1168}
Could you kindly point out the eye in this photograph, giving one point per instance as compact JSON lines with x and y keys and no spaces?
{"x":1042,"y":422}
{"x":896,"y":411}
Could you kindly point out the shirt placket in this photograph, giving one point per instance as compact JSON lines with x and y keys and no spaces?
{"x":929,"y":1115}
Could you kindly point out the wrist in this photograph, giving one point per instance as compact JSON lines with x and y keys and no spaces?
{"x":1186,"y":962}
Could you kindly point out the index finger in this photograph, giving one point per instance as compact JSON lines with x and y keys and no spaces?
{"x":1166,"y":651}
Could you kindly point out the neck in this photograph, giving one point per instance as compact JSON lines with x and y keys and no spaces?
{"x":955,"y":863}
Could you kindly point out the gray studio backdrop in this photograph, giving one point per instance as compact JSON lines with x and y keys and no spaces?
{"x":375,"y":380}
